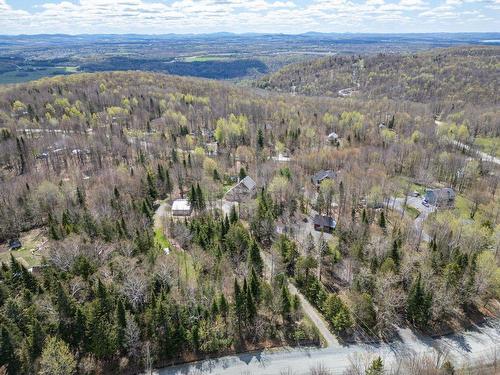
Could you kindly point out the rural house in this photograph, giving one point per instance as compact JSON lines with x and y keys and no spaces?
{"x":440,"y":197}
{"x":321,"y":176}
{"x":333,"y":138}
{"x":324,"y":223}
{"x":242,"y":190}
{"x":15,"y":244}
{"x":181,"y":207}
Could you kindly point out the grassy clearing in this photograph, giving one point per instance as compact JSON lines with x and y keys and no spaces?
{"x":462,"y":207}
{"x":161,"y":239}
{"x":488,"y":145}
{"x":186,"y":267}
{"x":18,"y":76}
{"x":27,"y":254}
{"x":405,"y":183}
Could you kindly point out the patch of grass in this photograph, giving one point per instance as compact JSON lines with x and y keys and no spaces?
{"x":462,"y":207}
{"x":412,"y":211}
{"x":23,"y":75}
{"x":186,"y":267}
{"x":161,"y":239}
{"x":488,"y":145}
{"x":403,"y":182}
{"x":26,"y":254}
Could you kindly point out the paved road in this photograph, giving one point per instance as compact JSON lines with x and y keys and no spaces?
{"x":472,"y":345}
{"x":475,"y":344}
{"x":482,"y":155}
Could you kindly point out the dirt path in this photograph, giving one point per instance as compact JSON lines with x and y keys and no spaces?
{"x":309,"y":310}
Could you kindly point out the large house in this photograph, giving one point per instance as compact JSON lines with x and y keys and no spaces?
{"x":322,"y":175}
{"x":440,"y":197}
{"x":244,"y":189}
{"x":324,"y":223}
{"x":181,"y":207}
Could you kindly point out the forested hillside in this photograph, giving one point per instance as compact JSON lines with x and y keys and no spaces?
{"x":111,"y":281}
{"x":457,"y":75}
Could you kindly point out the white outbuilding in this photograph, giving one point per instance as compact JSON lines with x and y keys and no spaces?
{"x":181,"y":207}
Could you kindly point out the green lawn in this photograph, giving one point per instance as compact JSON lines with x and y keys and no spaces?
{"x":186,"y":265}
{"x":184,"y":259}
{"x":19,"y":76}
{"x":403,"y":182}
{"x":160,"y":239}
{"x":30,"y":240}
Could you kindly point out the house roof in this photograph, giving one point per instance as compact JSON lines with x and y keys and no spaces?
{"x":181,"y":205}
{"x":281,"y":158}
{"x":324,"y":221}
{"x":322,"y":174}
{"x":443,"y":194}
{"x":15,"y":244}
{"x":248,"y":182}
{"x":333,"y":135}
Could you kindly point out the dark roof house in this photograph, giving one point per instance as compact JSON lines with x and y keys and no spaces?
{"x":324,"y":223}
{"x":440,"y":197}
{"x":323,"y":175}
{"x":243,"y":189}
{"x":15,"y":244}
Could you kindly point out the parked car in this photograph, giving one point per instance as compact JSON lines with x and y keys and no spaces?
{"x":425,"y":203}
{"x":415,"y":194}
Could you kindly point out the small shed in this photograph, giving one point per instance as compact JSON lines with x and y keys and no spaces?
{"x":181,"y":207}
{"x":324,"y":223}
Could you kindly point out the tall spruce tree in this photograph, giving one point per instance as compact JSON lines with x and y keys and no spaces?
{"x":255,"y":259}
{"x":8,"y":356}
{"x":419,"y":304}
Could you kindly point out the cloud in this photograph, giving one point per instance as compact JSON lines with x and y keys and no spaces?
{"x":160,"y":16}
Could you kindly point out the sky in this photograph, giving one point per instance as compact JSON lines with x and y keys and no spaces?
{"x":241,"y":16}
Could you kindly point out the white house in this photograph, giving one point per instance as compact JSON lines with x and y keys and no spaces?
{"x":333,"y":137}
{"x":181,"y":207}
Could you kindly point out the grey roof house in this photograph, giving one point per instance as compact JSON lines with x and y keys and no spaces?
{"x":324,"y":223}
{"x":245,"y":188}
{"x":323,"y":175}
{"x":440,"y":197}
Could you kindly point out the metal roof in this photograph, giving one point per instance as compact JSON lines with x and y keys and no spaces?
{"x":324,"y":221}
{"x":248,"y":182}
{"x":181,"y":205}
{"x":322,"y":174}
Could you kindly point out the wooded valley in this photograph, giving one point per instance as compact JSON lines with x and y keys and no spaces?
{"x":107,"y":278}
